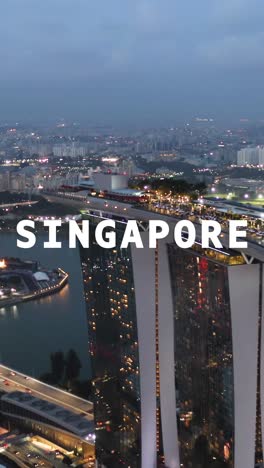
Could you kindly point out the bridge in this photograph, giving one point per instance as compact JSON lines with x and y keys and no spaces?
{"x":12,"y":380}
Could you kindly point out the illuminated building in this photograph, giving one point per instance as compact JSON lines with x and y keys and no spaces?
{"x":110,"y":299}
{"x":2,"y":263}
{"x":177,"y":355}
{"x":250,"y":155}
{"x":70,"y":430}
{"x":109,"y":182}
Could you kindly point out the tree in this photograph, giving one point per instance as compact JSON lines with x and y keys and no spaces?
{"x":73,"y":366}
{"x":82,"y":389}
{"x":57,"y":365}
{"x":48,"y":378}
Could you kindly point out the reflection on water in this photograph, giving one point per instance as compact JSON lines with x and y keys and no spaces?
{"x":30,"y":331}
{"x":14,"y":311}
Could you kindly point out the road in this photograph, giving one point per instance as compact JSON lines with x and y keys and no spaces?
{"x":34,"y":451}
{"x":14,"y":205}
{"x":29,"y":454}
{"x":27,"y":450}
{"x":11,"y":380}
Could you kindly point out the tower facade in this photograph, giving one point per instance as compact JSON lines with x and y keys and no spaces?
{"x":177,"y":354}
{"x":216,"y":298}
{"x":113,"y":347}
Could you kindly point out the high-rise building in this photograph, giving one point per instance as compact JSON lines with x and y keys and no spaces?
{"x":71,"y":150}
{"x":110,"y":298}
{"x":216,"y":308}
{"x":177,"y":354}
{"x":261,"y":156}
{"x":251,"y":155}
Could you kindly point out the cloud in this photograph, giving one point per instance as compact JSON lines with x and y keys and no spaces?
{"x":231,"y":9}
{"x":161,"y":49}
{"x":244,"y":51}
{"x":236,"y":16}
{"x":80,"y":38}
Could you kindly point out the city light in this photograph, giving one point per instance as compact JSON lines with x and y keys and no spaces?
{"x":2,"y":263}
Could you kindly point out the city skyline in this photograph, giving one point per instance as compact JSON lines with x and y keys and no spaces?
{"x":158,"y":330}
{"x":132,"y":234}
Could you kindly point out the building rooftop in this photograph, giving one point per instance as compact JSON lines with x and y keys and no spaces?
{"x":78,"y":424}
{"x":128,"y":192}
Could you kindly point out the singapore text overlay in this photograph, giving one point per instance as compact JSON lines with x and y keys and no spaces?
{"x":184,"y":232}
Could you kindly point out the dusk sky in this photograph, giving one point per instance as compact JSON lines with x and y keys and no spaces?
{"x":132,"y":62}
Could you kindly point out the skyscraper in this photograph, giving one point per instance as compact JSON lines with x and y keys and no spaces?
{"x":110,"y":299}
{"x":177,"y":354}
{"x":215,"y":296}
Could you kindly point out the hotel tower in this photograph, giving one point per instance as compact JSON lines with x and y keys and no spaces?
{"x":177,"y":354}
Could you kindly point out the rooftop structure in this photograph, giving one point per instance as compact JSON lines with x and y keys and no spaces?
{"x":35,"y":407}
{"x":80,"y":425}
{"x":109,"y":182}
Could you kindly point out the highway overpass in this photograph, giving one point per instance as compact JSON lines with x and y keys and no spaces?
{"x":12,"y":380}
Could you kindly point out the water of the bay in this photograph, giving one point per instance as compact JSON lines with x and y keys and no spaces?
{"x":31,"y":331}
